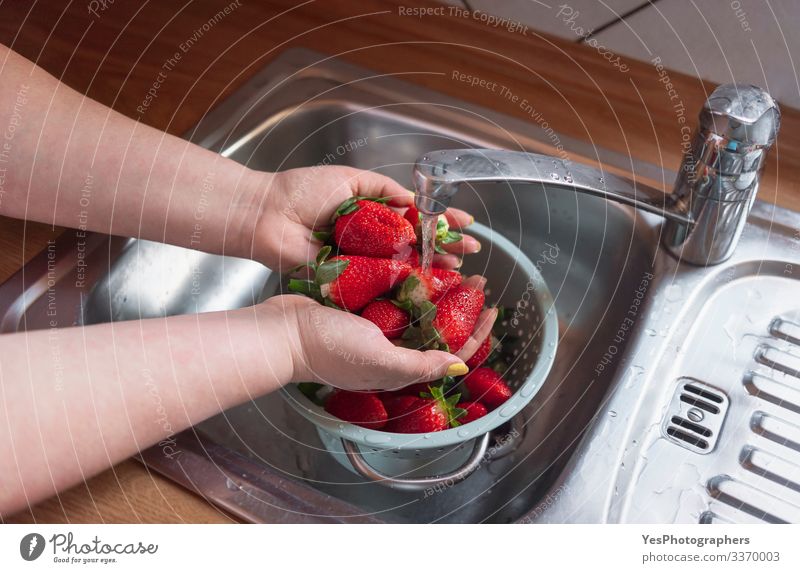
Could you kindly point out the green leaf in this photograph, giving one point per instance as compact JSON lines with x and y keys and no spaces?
{"x":405,"y":305}
{"x":323,"y":254}
{"x":455,"y":414}
{"x":408,"y":286}
{"x":347,"y":206}
{"x":411,"y":333}
{"x":307,"y":288}
{"x":330,"y":271}
{"x":321,"y":236}
{"x":328,"y":302}
{"x":381,"y":200}
{"x":439,"y":249}
{"x":309,"y":390}
{"x":451,"y":237}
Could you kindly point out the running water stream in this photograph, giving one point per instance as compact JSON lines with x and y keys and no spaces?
{"x":428,"y":225}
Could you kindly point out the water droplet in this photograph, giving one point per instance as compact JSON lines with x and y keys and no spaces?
{"x":425,"y":158}
{"x":673,"y":293}
{"x":508,"y":411}
{"x":554,"y":176}
{"x":601,"y":180}
{"x":376,"y":438}
{"x":427,"y":436}
{"x":231,"y":485}
{"x":650,"y":332}
{"x":612,"y":413}
{"x":464,"y":433}
{"x":458,"y":158}
{"x":341,"y":426}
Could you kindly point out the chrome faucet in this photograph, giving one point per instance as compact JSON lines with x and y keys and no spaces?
{"x":713,"y":193}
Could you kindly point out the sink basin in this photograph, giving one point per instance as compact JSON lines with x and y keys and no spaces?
{"x":632,"y":324}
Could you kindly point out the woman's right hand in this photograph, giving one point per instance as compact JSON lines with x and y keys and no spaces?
{"x":346,"y":351}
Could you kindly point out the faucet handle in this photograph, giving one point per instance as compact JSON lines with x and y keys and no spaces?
{"x":744,"y":115}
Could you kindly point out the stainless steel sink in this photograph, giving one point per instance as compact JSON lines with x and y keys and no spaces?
{"x":599,"y":442}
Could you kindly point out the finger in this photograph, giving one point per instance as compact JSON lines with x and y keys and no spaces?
{"x":449,"y":262}
{"x":415,"y":366}
{"x":483,"y":328}
{"x":475,"y":281}
{"x":458,"y":219}
{"x":467,"y":245}
{"x":370,"y":184}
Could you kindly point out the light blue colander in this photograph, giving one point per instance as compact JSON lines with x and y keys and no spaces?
{"x":417,"y":461}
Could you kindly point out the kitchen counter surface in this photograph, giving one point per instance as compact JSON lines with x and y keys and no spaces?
{"x":116,"y":53}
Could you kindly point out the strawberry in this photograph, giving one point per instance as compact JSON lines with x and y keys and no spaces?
{"x":487,"y":386}
{"x":474,"y":411}
{"x":480,"y":356}
{"x":361,"y":408}
{"x":443,"y":233}
{"x":391,"y":319}
{"x":413,"y":415}
{"x":371,"y":229}
{"x":448,"y":324}
{"x":419,"y":286}
{"x":350,"y":282}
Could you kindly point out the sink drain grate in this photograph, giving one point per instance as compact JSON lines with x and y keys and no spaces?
{"x":695,"y":416}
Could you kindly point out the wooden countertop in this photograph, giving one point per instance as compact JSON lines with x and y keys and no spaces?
{"x":116,"y":54}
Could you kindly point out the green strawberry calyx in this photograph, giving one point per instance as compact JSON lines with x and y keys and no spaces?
{"x":325,"y":272}
{"x":350,"y":205}
{"x":446,"y":403}
{"x":444,"y":236}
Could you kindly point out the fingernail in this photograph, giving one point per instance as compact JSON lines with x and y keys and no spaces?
{"x":471,"y":220}
{"x":458,"y":369}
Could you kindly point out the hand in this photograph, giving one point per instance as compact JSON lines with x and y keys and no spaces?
{"x":302,"y":200}
{"x":347,"y":351}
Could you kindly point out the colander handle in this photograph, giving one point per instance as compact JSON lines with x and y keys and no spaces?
{"x":417,"y":484}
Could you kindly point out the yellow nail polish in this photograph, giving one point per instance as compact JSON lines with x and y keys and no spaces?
{"x":457,"y":369}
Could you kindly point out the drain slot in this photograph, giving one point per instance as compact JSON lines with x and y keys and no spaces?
{"x":700,"y":404}
{"x":695,"y":415}
{"x":778,"y":360}
{"x":688,"y":438}
{"x":696,"y":428}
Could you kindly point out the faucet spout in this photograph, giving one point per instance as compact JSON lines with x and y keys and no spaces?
{"x":438,"y":175}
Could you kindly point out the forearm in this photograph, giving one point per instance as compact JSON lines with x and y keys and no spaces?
{"x":74,"y":401}
{"x":68,"y":160}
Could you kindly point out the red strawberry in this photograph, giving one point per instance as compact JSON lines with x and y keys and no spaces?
{"x":419,"y":287}
{"x":474,"y":411}
{"x":360,"y":408}
{"x":480,"y":356}
{"x":371,"y":229}
{"x":396,"y":402}
{"x":456,"y":314}
{"x":408,"y":255}
{"x":417,"y":415}
{"x":487,"y":386}
{"x":390,"y":319}
{"x":412,"y":216}
{"x":363,"y":280}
